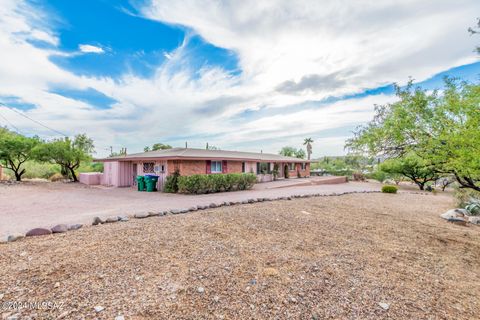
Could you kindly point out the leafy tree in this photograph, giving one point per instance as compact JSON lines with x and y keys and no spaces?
{"x":67,"y":153}
{"x":411,"y":166}
{"x":443,"y":130}
{"x":292,"y":152}
{"x":161,"y":146}
{"x":308,"y":142}
{"x":15,"y":150}
{"x":157,"y":146}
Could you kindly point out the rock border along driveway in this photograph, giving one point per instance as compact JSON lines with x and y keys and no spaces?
{"x":110,"y":204}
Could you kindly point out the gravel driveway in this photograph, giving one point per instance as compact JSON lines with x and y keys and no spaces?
{"x":29,"y":205}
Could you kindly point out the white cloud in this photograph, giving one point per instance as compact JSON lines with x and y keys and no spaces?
{"x":290,"y":54}
{"x":88,"y":48}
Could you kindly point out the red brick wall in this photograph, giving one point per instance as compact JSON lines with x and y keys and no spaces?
{"x":298,"y":168}
{"x":189,"y":167}
{"x":234,"y":166}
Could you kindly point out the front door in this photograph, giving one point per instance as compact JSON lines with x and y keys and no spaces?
{"x":134,"y":174}
{"x":161,"y":172}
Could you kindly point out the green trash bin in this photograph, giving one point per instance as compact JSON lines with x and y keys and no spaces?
{"x":151,"y":182}
{"x":140,"y":183}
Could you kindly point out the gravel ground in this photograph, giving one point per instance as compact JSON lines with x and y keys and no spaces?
{"x":328,"y":257}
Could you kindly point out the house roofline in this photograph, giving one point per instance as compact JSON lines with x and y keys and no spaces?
{"x":113,"y":159}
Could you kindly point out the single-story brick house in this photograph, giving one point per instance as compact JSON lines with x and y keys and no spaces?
{"x":122,"y":171}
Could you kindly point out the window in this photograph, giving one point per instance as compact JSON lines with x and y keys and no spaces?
{"x":148,"y":167}
{"x":291,"y":166}
{"x":216,"y":167}
{"x":243,"y":167}
{"x":263,"y":167}
{"x":304,"y":165}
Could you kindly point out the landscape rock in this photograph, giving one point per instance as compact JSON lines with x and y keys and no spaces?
{"x":194,"y":208}
{"x":119,"y":318}
{"x":212,"y":205}
{"x":111,"y":219}
{"x":15,"y":237}
{"x":200,"y":289}
{"x":454,"y":213}
{"x":123,"y":218}
{"x":38,"y":232}
{"x":251,"y":200}
{"x":97,"y":221}
{"x":384,"y":306}
{"x":244,"y":201}
{"x":60,"y":228}
{"x":75,"y":226}
{"x":141,"y":215}
{"x":474,"y":219}
{"x":175,"y":211}
{"x":99,"y":309}
{"x":459,"y":221}
{"x":153,"y":214}
{"x":183,"y":210}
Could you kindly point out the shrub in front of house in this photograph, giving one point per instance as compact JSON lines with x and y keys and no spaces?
{"x":211,"y":183}
{"x":171,"y":183}
{"x":389,"y":189}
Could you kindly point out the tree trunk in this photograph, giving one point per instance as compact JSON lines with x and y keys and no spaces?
{"x":421,"y":185}
{"x":74,"y":176}
{"x":18,"y":177}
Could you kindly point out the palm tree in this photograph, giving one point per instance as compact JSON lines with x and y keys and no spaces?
{"x":308,"y":142}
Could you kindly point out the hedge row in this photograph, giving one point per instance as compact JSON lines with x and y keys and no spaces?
{"x":210,"y":183}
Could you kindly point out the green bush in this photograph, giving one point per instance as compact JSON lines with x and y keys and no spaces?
{"x":389,"y":189}
{"x":210,"y":183}
{"x":171,"y":183}
{"x":378,"y":175}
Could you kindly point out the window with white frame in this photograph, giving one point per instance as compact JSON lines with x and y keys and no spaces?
{"x":216,"y":167}
{"x":304,"y":165}
{"x":148,"y":167}
{"x":291,"y":166}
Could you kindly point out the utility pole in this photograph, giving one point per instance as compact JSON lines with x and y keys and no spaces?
{"x":186,"y":145}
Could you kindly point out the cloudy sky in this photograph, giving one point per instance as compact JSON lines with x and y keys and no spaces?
{"x":241,"y":75}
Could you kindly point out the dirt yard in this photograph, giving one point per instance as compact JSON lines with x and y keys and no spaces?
{"x":327,"y":257}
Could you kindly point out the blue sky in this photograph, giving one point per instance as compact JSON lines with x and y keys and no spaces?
{"x":241,"y":76}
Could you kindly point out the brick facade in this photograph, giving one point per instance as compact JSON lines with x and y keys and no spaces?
{"x":189,"y":167}
{"x":298,"y":168}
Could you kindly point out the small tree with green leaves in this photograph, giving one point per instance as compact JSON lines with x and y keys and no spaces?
{"x":412,"y":167}
{"x":67,"y":153}
{"x":15,"y":150}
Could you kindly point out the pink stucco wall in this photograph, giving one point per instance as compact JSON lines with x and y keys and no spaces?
{"x":90,"y":178}
{"x":117,"y":174}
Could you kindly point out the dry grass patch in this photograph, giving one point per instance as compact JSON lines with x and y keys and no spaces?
{"x":327,"y":257}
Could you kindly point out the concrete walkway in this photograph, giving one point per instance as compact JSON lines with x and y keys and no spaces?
{"x":29,"y":205}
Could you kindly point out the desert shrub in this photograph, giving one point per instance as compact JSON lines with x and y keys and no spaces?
{"x":378,"y":175}
{"x":466,"y":196}
{"x":210,"y":183}
{"x":171,"y":183}
{"x":389,"y":189}
{"x":38,"y":170}
{"x":358,"y":176}
{"x":473,"y":207}
{"x":56,"y":177}
{"x":90,"y":167}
